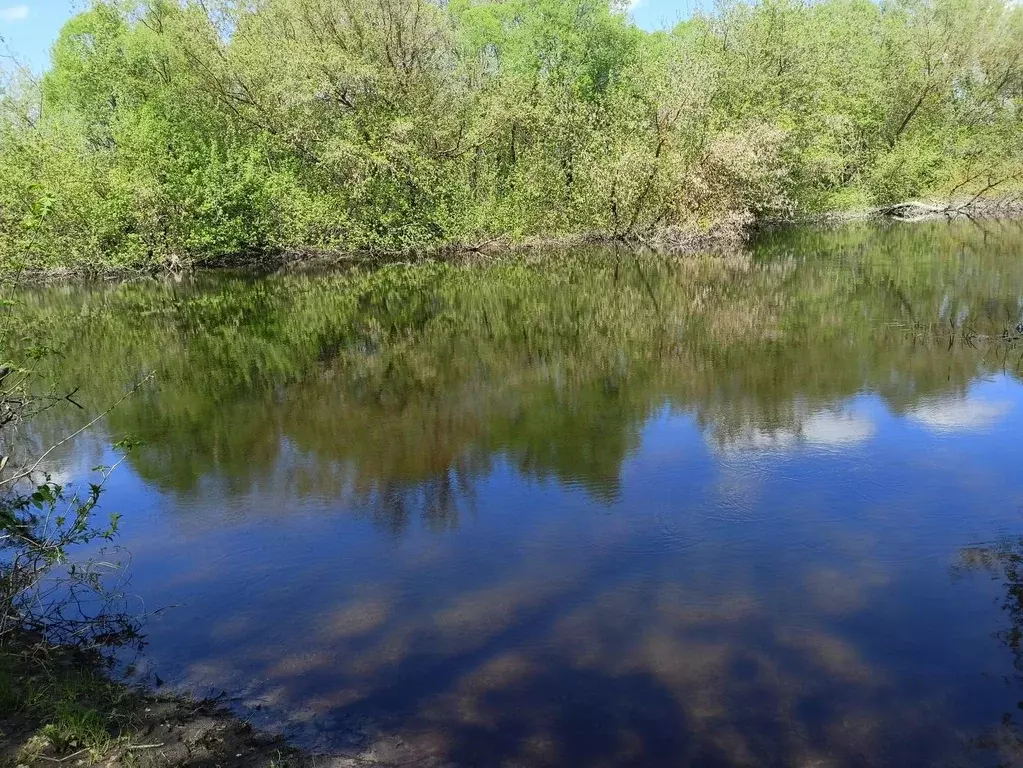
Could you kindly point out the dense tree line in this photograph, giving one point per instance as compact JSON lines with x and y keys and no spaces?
{"x":170,"y":130}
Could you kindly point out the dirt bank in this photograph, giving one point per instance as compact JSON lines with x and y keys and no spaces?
{"x":61,"y":706}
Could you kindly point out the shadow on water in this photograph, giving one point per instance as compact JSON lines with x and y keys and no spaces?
{"x":583,"y":509}
{"x":1002,"y":561}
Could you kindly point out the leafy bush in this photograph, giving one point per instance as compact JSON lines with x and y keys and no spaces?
{"x":166,"y":132}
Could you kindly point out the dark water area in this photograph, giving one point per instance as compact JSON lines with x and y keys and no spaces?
{"x":594,"y":508}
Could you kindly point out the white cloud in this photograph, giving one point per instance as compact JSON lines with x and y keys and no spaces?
{"x":830,"y":429}
{"x":953,"y":415}
{"x":837,"y":429}
{"x":14,"y":13}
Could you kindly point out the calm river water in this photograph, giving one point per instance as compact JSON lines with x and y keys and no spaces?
{"x":584,"y":509}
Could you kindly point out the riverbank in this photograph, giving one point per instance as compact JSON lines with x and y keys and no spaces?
{"x":60,"y":706}
{"x":730,"y":233}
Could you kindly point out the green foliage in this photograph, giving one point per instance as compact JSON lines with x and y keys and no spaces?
{"x":43,"y":522}
{"x":167,"y":132}
{"x":76,"y":728}
{"x":65,"y":694}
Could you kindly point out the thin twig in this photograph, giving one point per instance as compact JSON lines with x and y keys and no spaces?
{"x":63,"y":759}
{"x":73,"y":435}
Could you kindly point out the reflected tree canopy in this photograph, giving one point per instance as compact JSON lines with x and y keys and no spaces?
{"x":397,"y":386}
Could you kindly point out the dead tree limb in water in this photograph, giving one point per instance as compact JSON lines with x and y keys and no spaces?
{"x":977,"y":205}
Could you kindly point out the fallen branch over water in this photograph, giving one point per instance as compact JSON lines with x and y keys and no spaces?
{"x":974,"y":207}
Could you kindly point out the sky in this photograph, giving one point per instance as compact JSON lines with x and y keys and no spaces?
{"x":29,"y":27}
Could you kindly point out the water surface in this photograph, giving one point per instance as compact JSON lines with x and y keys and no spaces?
{"x":595,"y":508}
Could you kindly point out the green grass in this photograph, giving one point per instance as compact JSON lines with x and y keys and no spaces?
{"x":72,"y":707}
{"x":60,"y":706}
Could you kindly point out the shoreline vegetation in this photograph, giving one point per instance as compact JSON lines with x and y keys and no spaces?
{"x":62,"y":706}
{"x":728,"y":237}
{"x":166,"y":135}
